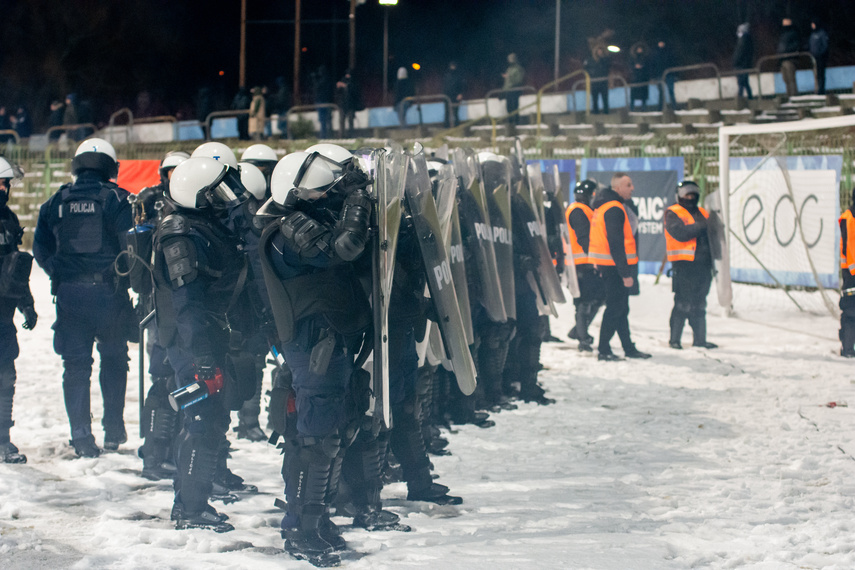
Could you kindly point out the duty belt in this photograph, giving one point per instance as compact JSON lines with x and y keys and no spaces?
{"x":93,"y":278}
{"x":848,"y":292}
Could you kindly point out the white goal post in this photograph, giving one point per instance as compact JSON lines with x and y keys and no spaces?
{"x":780,"y":190}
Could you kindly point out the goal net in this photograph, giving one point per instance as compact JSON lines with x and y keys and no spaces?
{"x":783,"y":187}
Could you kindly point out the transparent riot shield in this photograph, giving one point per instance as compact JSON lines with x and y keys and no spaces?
{"x":442,"y":291}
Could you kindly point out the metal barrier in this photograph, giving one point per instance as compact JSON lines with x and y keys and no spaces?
{"x":782,"y":56}
{"x":588,"y":82}
{"x":523,"y":89}
{"x":211,"y":116}
{"x":297,"y":109}
{"x":70,"y":128}
{"x":682,"y":68}
{"x":14,"y":134}
{"x":419,"y":99}
{"x":561,"y":80}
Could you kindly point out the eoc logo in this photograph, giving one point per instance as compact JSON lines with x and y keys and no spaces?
{"x":442,"y":273}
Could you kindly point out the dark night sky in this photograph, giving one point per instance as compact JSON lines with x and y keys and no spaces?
{"x":110,"y":51}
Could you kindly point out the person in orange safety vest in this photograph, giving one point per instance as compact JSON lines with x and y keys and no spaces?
{"x":688,"y":248}
{"x":613,"y":250}
{"x":847,"y":293}
{"x":579,"y":215}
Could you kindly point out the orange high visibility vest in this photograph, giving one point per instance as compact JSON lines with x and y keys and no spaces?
{"x":599,"y":252}
{"x":847,"y":250}
{"x":579,"y":255}
{"x":682,"y":250}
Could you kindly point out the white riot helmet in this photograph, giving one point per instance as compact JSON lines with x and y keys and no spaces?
{"x":333,"y":152}
{"x":304,"y":175}
{"x":253,"y":180}
{"x":169,"y":162}
{"x":10,"y":171}
{"x":95,"y":154}
{"x":259,"y":153}
{"x":200,"y":182}
{"x":218,"y":151}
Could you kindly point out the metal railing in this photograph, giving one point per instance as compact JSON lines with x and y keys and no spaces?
{"x":520,"y":90}
{"x":435,"y":98}
{"x":779,"y":57}
{"x":70,"y":128}
{"x":573,"y":95}
{"x":648,"y":84}
{"x":10,"y":132}
{"x":216,"y":114}
{"x":684,"y":68}
{"x":588,"y":83}
{"x":298,"y":109}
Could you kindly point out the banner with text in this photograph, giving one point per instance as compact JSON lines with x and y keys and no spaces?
{"x":763,"y":217}
{"x":655,"y":181}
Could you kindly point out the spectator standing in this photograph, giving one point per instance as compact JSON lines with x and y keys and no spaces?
{"x":23,"y":125}
{"x":280,"y":102}
{"x":452,"y":87}
{"x":257,"y":114}
{"x":322,"y":94}
{"x":239,"y":103}
{"x":57,"y":111}
{"x":204,"y":107}
{"x":818,"y":44}
{"x":640,"y":74}
{"x":597,"y":67}
{"x":403,"y":88}
{"x":69,"y":114}
{"x":789,"y":43}
{"x":743,"y":58}
{"x":513,"y":77}
{"x":661,"y":59}
{"x":349,"y":99}
{"x":5,"y":124}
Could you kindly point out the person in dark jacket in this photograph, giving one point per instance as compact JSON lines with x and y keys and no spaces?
{"x":640,"y":74}
{"x":14,"y":294}
{"x":662,"y":58}
{"x":818,"y":44}
{"x":688,"y":248}
{"x":322,"y":92}
{"x":613,"y":250}
{"x":452,"y":87}
{"x":21,"y":120}
{"x":743,"y":58}
{"x":789,"y":42}
{"x":598,"y":66}
{"x":349,"y":100}
{"x":403,"y":88}
{"x":80,"y":231}
{"x":242,"y":101}
{"x":579,"y":216}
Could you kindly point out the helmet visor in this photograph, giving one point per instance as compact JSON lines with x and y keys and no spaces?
{"x":305,"y":173}
{"x":227,"y":190}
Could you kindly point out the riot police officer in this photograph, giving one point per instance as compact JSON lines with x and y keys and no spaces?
{"x":14,"y":293}
{"x":199,"y":259}
{"x":159,"y":421}
{"x":319,"y":215}
{"x":80,"y":231}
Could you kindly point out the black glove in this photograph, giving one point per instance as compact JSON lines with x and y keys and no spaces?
{"x":529,"y":263}
{"x":30,"y":317}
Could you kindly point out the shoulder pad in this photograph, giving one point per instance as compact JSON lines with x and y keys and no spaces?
{"x":182,"y":260}
{"x":174,"y":224}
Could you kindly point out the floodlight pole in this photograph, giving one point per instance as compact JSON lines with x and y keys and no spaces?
{"x":296,"y":97}
{"x":242,"y":66}
{"x":557,"y":39}
{"x":385,"y":54}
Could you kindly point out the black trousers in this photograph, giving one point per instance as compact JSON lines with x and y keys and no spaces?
{"x":616,"y":315}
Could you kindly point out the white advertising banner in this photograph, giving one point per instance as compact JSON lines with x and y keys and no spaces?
{"x":763,"y":216}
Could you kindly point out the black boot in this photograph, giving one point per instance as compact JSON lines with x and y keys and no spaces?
{"x":248,"y":426}
{"x":677,"y":322}
{"x":8,"y":452}
{"x":306,"y":470}
{"x":847,"y":337}
{"x":408,"y":446}
{"x":159,"y":421}
{"x":197,"y":463}
{"x":698,"y":322}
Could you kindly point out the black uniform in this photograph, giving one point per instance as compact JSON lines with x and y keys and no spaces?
{"x":80,"y":231}
{"x":14,"y":293}
{"x":691,"y":280}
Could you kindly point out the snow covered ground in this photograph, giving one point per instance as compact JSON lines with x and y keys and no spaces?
{"x":693,"y":459}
